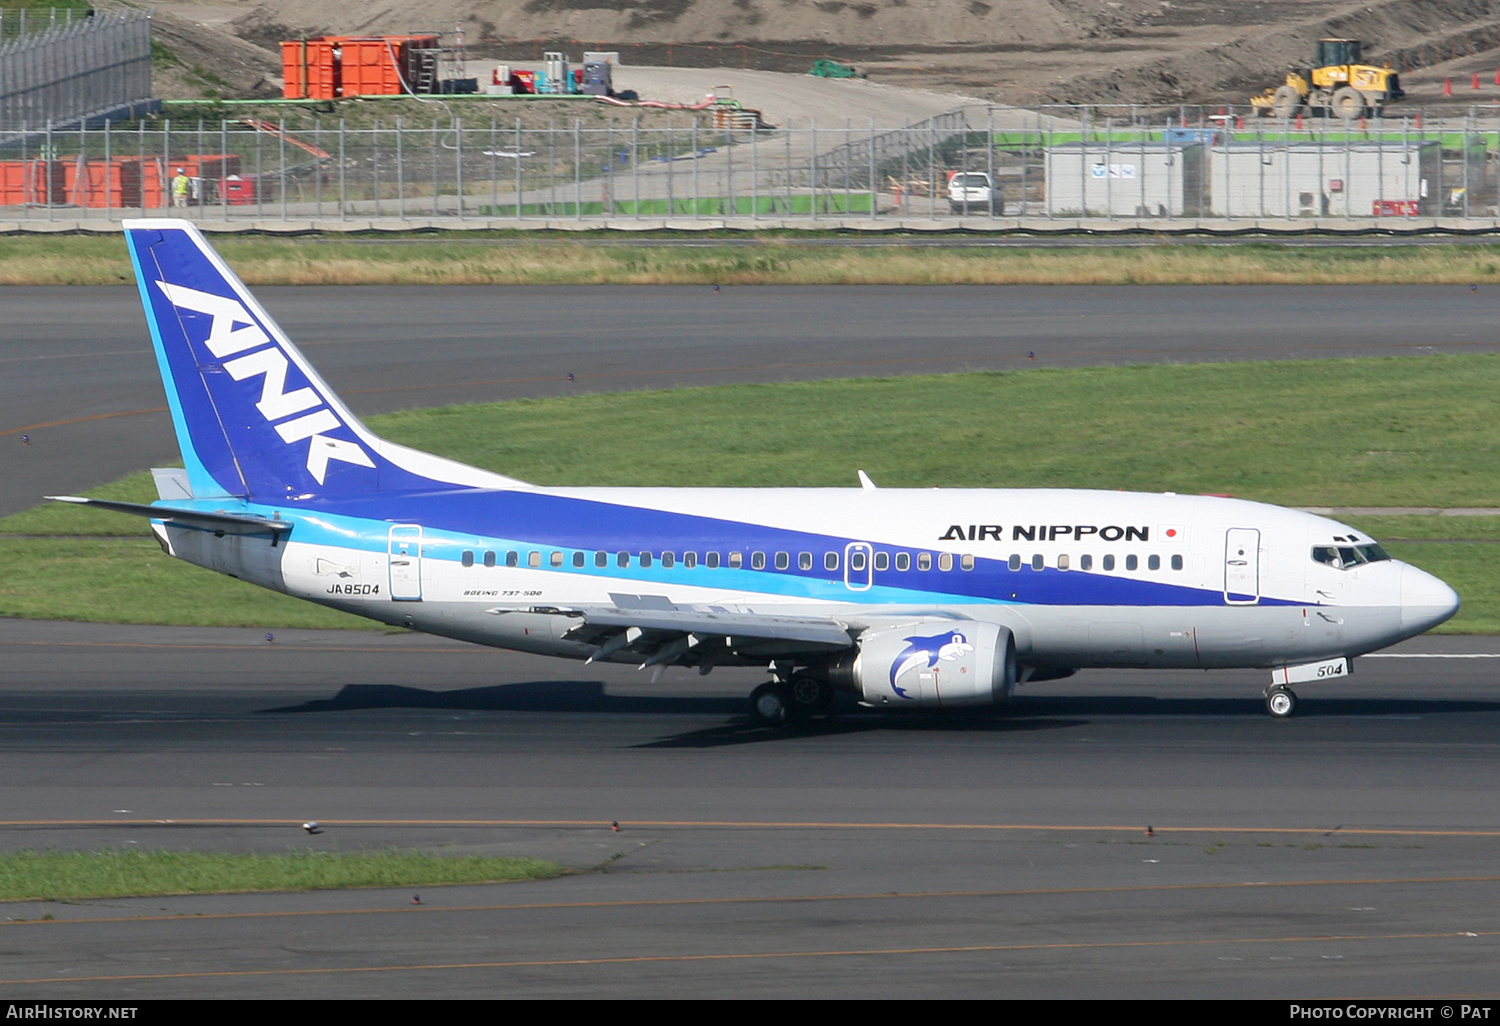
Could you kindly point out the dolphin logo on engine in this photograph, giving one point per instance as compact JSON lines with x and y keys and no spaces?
{"x":949,"y":646}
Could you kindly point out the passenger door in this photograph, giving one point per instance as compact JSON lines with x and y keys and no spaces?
{"x":1242,"y":566}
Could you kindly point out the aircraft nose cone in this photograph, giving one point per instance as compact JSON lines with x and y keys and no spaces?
{"x":1425,"y":600}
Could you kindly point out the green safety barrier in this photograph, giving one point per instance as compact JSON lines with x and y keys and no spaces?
{"x":832,"y":203}
{"x":825,"y":68}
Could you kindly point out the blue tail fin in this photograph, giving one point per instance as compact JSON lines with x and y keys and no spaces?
{"x":253,"y":418}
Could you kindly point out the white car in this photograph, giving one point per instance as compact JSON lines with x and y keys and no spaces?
{"x":973,"y":192}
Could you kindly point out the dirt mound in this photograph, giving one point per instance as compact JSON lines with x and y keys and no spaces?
{"x":1025,"y":52}
{"x":192,"y":61}
{"x":853,"y":22}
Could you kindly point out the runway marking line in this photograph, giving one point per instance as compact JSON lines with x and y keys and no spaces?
{"x":763,"y":900}
{"x":269,"y":646}
{"x":80,"y":420}
{"x":751,"y":824}
{"x":748,"y":956}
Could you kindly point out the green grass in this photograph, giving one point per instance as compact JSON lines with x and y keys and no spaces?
{"x":118,"y":873}
{"x":1415,"y":431}
{"x":519,"y":258}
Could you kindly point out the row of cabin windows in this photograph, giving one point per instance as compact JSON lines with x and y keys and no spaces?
{"x":783,"y":560}
{"x":1064,"y":562}
{"x":858,"y":561}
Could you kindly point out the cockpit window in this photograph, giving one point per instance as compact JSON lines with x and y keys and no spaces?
{"x":1345,"y":557}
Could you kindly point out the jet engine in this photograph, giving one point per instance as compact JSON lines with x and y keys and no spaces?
{"x":932,"y":664}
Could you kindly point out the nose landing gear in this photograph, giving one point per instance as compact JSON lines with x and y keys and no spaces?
{"x":1281,"y":701}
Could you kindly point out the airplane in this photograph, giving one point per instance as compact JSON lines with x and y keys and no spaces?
{"x":907,"y":598}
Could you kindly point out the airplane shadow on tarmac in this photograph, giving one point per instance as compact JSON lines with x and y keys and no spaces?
{"x":1024,"y":713}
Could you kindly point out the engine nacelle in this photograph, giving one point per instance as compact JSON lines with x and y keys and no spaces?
{"x":962,"y":662}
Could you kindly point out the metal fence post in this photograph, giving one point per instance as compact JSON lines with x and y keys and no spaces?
{"x":578,"y":167}
{"x":343,"y":183}
{"x":224,"y":175}
{"x":755,"y":170}
{"x":375,"y":165}
{"x":281,"y":164}
{"x":635,"y":162}
{"x":813,"y":178}
{"x":458,"y":163}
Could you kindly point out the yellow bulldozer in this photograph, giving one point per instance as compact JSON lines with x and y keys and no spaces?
{"x":1338,"y":85}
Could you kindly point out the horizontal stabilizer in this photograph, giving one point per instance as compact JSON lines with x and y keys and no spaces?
{"x":228,"y":523}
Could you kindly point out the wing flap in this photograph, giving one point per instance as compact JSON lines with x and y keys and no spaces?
{"x":812,"y":631}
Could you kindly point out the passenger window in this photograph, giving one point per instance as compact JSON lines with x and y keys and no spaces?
{"x":578,"y":558}
{"x":1131,"y":562}
{"x":511,"y":559}
{"x":882,"y":561}
{"x":804,"y":561}
{"x":1153,"y":562}
{"x":711,"y":560}
{"x":1176,"y":562}
{"x":830,"y":561}
{"x":945,"y":561}
{"x":924,"y":561}
{"x":467,"y":559}
{"x":1015,"y":561}
{"x":903,"y":561}
{"x":690,"y":559}
{"x":622,"y":558}
{"x":736,"y":560}
{"x":966,"y":561}
{"x":645,"y":559}
{"x":1109,"y":562}
{"x":1037,"y":562}
{"x":857,"y":561}
{"x":1062,"y":561}
{"x":601,"y":559}
{"x":1085,"y":562}
{"x":757,"y":561}
{"x":668,"y":560}
{"x":534,"y":559}
{"x":783,"y":560}
{"x":557,"y":559}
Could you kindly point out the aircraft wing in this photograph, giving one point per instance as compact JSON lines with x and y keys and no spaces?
{"x":661,"y":633}
{"x":228,"y":523}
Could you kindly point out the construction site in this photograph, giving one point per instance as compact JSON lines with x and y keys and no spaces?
{"x":1051,"y":112}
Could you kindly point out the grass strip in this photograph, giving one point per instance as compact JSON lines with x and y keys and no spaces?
{"x":512,"y":260}
{"x":120,"y":873}
{"x":1416,"y":431}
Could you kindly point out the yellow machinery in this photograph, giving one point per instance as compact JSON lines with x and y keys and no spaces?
{"x":1339,"y":84}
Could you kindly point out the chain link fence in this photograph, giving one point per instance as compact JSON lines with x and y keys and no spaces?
{"x":62,"y":70}
{"x":973,"y":164}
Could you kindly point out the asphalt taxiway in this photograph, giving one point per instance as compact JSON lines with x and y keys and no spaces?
{"x":77,"y":375}
{"x":1346,"y":852}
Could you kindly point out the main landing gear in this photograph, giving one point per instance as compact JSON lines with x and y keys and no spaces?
{"x":1281,"y":701}
{"x":777,"y":702}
